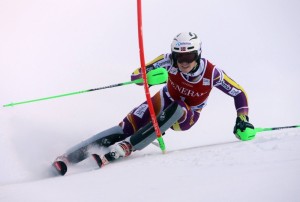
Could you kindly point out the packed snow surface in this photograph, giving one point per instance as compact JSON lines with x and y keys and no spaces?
{"x":54,"y":47}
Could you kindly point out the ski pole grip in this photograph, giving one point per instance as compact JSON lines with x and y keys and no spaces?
{"x":157,"y":76}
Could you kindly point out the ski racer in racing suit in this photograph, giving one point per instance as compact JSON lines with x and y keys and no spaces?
{"x":190,"y":81}
{"x":191,"y":90}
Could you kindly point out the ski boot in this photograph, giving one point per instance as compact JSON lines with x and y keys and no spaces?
{"x":120,"y":149}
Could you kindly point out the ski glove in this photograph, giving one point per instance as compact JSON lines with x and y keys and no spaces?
{"x":138,"y":76}
{"x":244,"y":130}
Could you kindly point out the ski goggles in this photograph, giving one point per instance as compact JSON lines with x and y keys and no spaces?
{"x":185,"y":57}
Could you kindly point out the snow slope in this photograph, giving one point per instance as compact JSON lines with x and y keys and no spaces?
{"x":52,"y":47}
{"x":266,"y":169}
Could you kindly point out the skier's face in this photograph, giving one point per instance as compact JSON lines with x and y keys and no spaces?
{"x":186,"y":61}
{"x":186,"y":67}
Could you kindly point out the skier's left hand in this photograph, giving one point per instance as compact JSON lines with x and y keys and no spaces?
{"x":244,"y":130}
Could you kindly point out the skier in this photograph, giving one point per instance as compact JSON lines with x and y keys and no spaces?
{"x":177,"y":105}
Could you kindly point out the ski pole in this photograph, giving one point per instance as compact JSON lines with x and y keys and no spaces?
{"x":275,"y":128}
{"x":249,"y":133}
{"x":155,"y":77}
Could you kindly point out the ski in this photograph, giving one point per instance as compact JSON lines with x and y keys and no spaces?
{"x":104,"y":159}
{"x":60,"y":167}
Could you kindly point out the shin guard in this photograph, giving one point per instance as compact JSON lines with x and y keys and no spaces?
{"x":144,"y":136}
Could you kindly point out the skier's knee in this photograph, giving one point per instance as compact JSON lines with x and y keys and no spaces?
{"x":165,"y":119}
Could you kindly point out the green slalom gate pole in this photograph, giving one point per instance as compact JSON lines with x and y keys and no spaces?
{"x":155,"y":77}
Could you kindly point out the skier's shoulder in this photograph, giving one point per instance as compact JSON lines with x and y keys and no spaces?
{"x":162,"y":60}
{"x":206,"y":63}
{"x":211,"y":69}
{"x":207,"y":66}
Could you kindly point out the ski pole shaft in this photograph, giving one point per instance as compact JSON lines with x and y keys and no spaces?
{"x":275,"y":128}
{"x":66,"y":94}
{"x":156,"y":76}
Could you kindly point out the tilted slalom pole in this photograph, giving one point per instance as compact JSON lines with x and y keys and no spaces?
{"x":146,"y":87}
{"x":155,"y":77}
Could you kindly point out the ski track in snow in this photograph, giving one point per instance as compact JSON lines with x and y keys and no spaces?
{"x":233,"y":169}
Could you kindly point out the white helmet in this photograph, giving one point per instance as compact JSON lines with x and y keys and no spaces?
{"x":186,"y":42}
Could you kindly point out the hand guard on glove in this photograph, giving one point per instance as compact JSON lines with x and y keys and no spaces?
{"x":244,"y":130}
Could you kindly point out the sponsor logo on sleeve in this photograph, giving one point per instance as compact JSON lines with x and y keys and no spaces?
{"x":162,"y":63}
{"x":225,"y":85}
{"x":234,"y":91}
{"x":148,"y":69}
